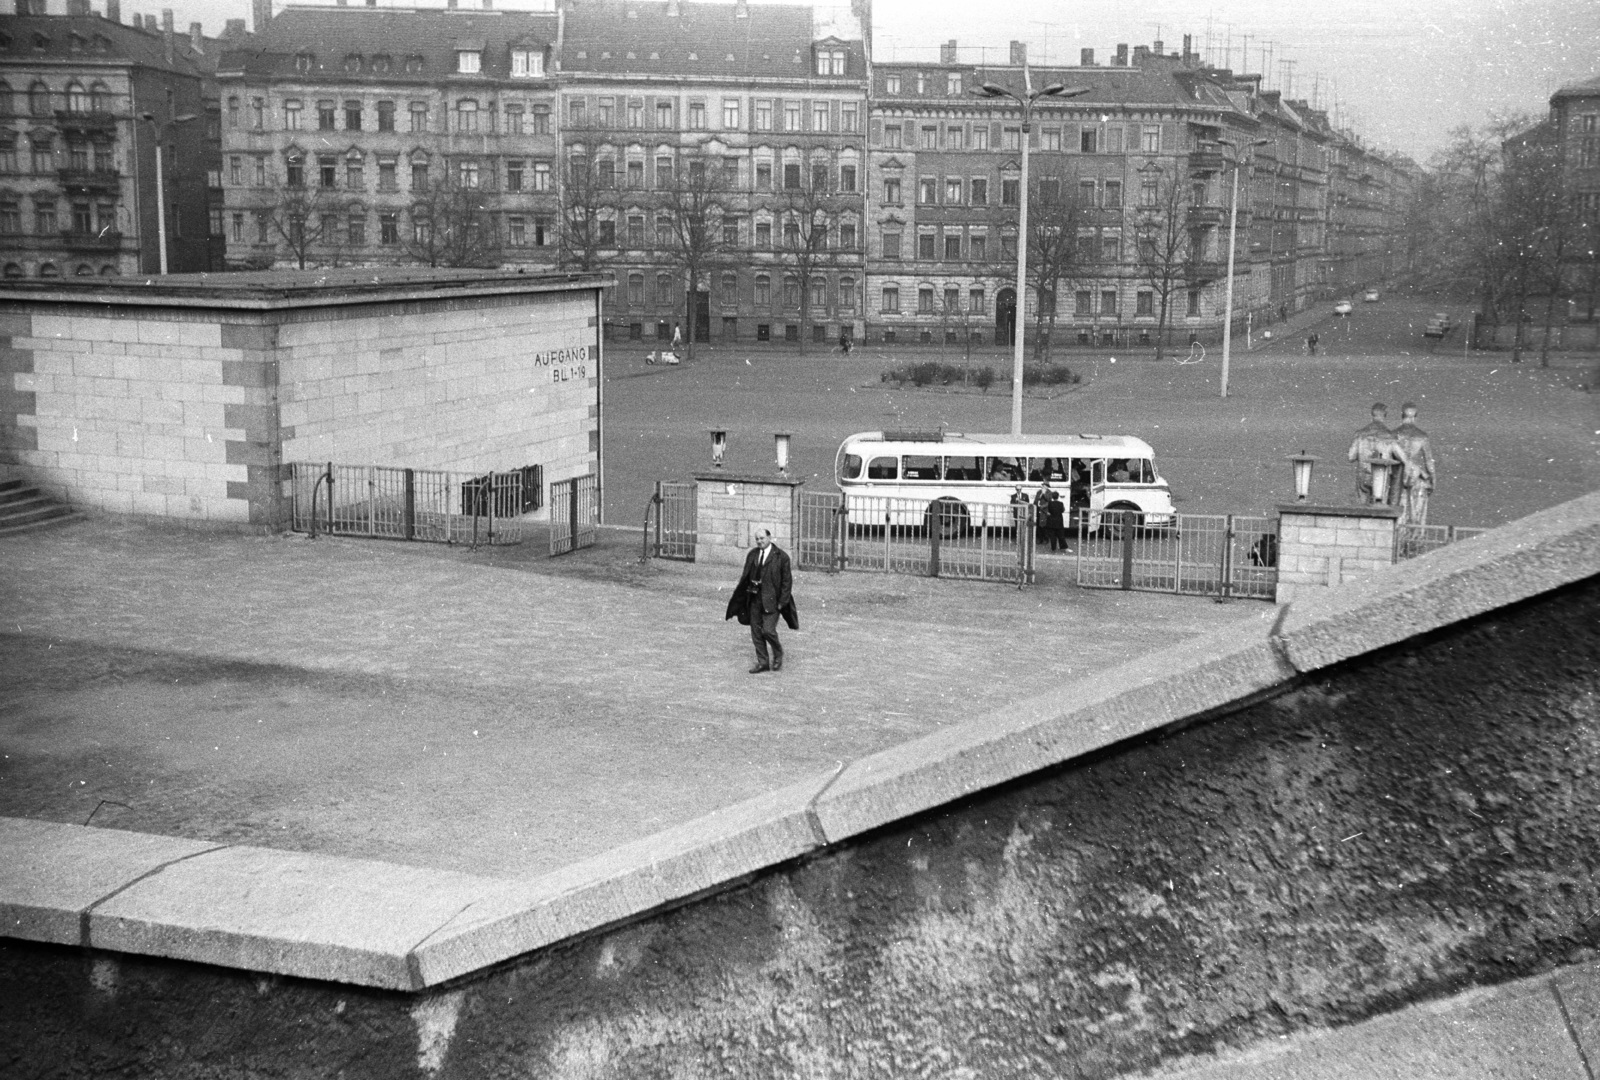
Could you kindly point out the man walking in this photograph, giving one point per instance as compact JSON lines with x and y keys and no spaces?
{"x":762,"y":595}
{"x":1417,"y":476}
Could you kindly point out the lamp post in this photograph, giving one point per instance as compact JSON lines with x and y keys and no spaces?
{"x":1303,"y":464}
{"x":1026,"y":100}
{"x":1233,"y":228}
{"x":161,"y":191}
{"x":780,"y":444}
{"x":719,"y":445}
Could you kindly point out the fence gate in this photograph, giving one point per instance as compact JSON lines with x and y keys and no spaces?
{"x":388,"y":503}
{"x":671,"y":521}
{"x":914,"y":536}
{"x":1206,"y":554}
{"x":574,"y":514}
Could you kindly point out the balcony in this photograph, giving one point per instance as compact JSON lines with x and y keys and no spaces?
{"x":89,"y":123}
{"x":110,"y":240}
{"x":1207,"y":215}
{"x":1205,"y":161}
{"x":90,"y":180}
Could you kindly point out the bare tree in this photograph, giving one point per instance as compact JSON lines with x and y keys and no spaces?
{"x":809,"y":217}
{"x":452,"y":225}
{"x":1055,"y":216}
{"x":585,"y":230}
{"x":689,"y":210}
{"x":1168,"y":248}
{"x":300,"y":217}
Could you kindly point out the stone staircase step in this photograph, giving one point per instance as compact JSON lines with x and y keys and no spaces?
{"x":23,"y":508}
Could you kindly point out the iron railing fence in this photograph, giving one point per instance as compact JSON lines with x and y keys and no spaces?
{"x":1413,"y":540}
{"x":671,"y":521}
{"x":574,"y":514}
{"x":915,"y":536}
{"x":1202,"y":554}
{"x":391,"y":503}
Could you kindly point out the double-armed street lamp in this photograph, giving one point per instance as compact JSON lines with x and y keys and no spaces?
{"x":1233,"y":227}
{"x":1026,"y":100}
{"x":161,"y":191}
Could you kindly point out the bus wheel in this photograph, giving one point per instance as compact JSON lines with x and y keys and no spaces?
{"x":1128,"y":515}
{"x":949,"y":516}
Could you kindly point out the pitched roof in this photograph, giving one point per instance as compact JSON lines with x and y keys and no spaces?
{"x":331,"y":35}
{"x":1584,"y":88}
{"x":91,"y":39}
{"x":639,"y":37}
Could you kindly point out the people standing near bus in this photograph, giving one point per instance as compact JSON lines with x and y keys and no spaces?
{"x":763,"y":595}
{"x":1056,"y":522}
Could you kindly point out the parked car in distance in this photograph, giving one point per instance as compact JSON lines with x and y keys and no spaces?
{"x":1371,"y":297}
{"x":1438,"y":326}
{"x":1343,"y":307}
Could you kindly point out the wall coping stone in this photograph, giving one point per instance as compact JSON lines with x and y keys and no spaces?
{"x":376,"y":924}
{"x":1317,"y":510}
{"x":747,"y":478}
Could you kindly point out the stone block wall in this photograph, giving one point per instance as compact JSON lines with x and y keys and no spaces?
{"x":1319,"y":546}
{"x":731,"y":507}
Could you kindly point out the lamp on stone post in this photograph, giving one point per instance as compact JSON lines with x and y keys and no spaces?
{"x":161,"y":191}
{"x":719,"y":445}
{"x":1303,"y":464}
{"x":1379,"y":465}
{"x":1233,"y":228}
{"x":780,"y":444}
{"x":1019,"y":320}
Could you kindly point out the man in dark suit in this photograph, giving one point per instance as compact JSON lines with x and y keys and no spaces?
{"x":762,"y":595}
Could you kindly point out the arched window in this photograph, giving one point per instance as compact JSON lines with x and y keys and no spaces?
{"x":39,"y":99}
{"x":49,"y":270}
{"x":419,"y":170}
{"x":664,"y":297}
{"x":6,"y":102}
{"x":84,"y":270}
{"x":295,"y":161}
{"x":77,"y":98}
{"x":763,"y":290}
{"x":100,"y":98}
{"x":13,"y":270}
{"x":108,"y":271}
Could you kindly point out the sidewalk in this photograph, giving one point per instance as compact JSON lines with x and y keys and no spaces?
{"x":1543,"y":1028}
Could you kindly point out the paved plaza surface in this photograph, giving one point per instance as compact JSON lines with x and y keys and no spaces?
{"x":1510,"y":438}
{"x":498,"y":711}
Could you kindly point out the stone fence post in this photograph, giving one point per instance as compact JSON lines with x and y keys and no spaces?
{"x":1318,"y":546}
{"x":730,"y":507}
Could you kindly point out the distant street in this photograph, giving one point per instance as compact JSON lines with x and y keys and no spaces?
{"x":1511,"y":438}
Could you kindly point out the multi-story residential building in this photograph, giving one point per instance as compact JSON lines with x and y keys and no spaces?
{"x":84,"y":102}
{"x":748,"y":121}
{"x":1369,"y":196}
{"x":379,"y":135}
{"x":1575,"y":116}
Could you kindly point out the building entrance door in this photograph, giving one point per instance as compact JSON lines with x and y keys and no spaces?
{"x":702,"y":315}
{"x":1005,"y":317}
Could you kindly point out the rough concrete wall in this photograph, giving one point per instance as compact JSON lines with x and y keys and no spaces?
{"x":1320,"y":547}
{"x":446,"y":385}
{"x":1419,"y":820}
{"x":729,"y":509}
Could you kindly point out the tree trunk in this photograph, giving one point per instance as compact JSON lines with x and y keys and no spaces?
{"x":1516,"y":335}
{"x":805,"y":311}
{"x":688,"y":321}
{"x":1161,"y":327}
{"x":1549,"y":314}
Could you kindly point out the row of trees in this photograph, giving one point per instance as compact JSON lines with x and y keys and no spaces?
{"x":1494,"y":218}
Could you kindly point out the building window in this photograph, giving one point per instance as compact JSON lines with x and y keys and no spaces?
{"x":925,"y":300}
{"x":296,"y":170}
{"x":468,"y":62}
{"x":663,"y":173}
{"x":419,"y":171}
{"x":419,"y":116}
{"x":233,"y":112}
{"x":517,"y":230}
{"x":1194,"y":303}
{"x":514,"y":120}
{"x":1113,"y":194}
{"x":891,"y":136}
{"x":636,"y":114}
{"x":930,"y":137}
{"x":82,"y":218}
{"x":830,"y":61}
{"x":980,"y":136}
{"x":697,"y":116}
{"x":952,"y":247}
{"x":925,"y":245}
{"x":1145,"y":303}
{"x":577,"y":112}
{"x":819,"y":116}
{"x":636,"y":174}
{"x":730,"y":114}
{"x":352,"y":116}
{"x":927,"y":190}
{"x":763,"y":293}
{"x":763,"y":115}
{"x":1151,"y":143}
{"x":1011,"y":139}
{"x":527,"y":63}
{"x":1108,"y":301}
{"x":891,"y":190}
{"x":819,"y":177}
{"x":514,"y":175}
{"x":952,"y":191}
{"x":952,"y":84}
{"x":1050,"y":138}
{"x":847,"y":293}
{"x":236,"y":171}
{"x":467,"y":174}
{"x":387,"y":168}
{"x":325,"y":115}
{"x":389,"y":228}
{"x":541,"y":176}
{"x":955,"y":138}
{"x":44,"y":216}
{"x":791,"y":233}
{"x":891,"y":245}
{"x":975,"y":301}
{"x":978,"y":247}
{"x":385,"y":116}
{"x":791,"y":116}
{"x":847,"y":236}
{"x":44,"y":153}
{"x":1008,"y":192}
{"x":540,"y":118}
{"x":664,"y":116}
{"x":467,"y":116}
{"x":291,"y":115}
{"x":849,"y":117}
{"x":791,"y":291}
{"x":237,"y":234}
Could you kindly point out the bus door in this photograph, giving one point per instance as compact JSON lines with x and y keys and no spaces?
{"x":1097,"y":488}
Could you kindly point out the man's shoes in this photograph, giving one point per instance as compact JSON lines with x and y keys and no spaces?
{"x":777,"y":663}
{"x":759,"y":668}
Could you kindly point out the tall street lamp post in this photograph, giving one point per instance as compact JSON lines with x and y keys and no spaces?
{"x":1018,"y":320}
{"x":1233,"y":228}
{"x":161,"y":191}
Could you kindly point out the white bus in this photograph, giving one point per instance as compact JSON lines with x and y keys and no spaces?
{"x":966,"y":480}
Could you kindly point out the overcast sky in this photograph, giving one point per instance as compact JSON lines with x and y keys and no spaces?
{"x":1401,"y":73}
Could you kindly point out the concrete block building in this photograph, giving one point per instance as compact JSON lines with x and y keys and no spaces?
{"x":185,"y":397}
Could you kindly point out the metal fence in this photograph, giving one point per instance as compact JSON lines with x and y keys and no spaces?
{"x":1202,"y":554}
{"x":1413,"y":540}
{"x":390,"y":503}
{"x":574,"y":514}
{"x":671,"y":521}
{"x":914,"y":536}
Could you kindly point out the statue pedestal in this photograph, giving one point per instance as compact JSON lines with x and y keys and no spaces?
{"x":730,"y":507}
{"x":1319,"y":546}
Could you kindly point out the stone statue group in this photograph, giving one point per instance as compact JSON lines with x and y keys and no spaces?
{"x":1405,"y":457}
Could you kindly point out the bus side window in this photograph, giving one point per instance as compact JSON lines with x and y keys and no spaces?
{"x":963,"y":468}
{"x":883,"y":468}
{"x":852,"y":467}
{"x":1140,"y":472}
{"x":921,"y":467}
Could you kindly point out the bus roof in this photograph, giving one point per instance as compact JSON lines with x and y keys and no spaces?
{"x":1011,"y":445}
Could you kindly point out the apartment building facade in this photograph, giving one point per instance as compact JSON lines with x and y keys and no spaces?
{"x":84,"y":101}
{"x":1575,"y":116}
{"x":373,"y":136}
{"x":749,"y":121}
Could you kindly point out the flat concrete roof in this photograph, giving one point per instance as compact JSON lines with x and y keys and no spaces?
{"x":273,"y":289}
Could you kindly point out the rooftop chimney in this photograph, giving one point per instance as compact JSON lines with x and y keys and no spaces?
{"x":1156,"y":48}
{"x":1019,"y":53}
{"x":114,"y":10}
{"x":672,"y":8}
{"x":947,"y":52}
{"x":166,"y":31}
{"x":1086,"y":57}
{"x":1188,"y":47}
{"x":1141,"y":53}
{"x":261,"y":14}
{"x":197,"y":40}
{"x":451,"y":4}
{"x":78,"y":7}
{"x":1122,"y":56}
{"x":232,"y":30}
{"x":741,"y":10}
